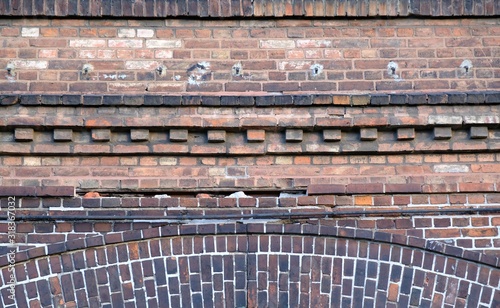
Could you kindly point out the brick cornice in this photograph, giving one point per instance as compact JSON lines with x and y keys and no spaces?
{"x":247,"y":8}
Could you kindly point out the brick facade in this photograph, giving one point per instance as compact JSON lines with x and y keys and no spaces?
{"x":364,"y":135}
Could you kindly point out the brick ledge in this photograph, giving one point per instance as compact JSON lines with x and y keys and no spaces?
{"x":245,"y":100}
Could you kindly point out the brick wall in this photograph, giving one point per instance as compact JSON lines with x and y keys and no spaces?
{"x":123,"y":139}
{"x":260,"y":56}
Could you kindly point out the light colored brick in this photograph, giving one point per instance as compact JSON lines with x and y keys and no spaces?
{"x":125,"y":43}
{"x":282,"y":44}
{"x":445,"y":120}
{"x":168,"y":161}
{"x":30,"y":64}
{"x":145,"y":33}
{"x":47,"y":53}
{"x":163,"y":43}
{"x":141,"y":65}
{"x":30,"y":32}
{"x":90,"y":43}
{"x":482,"y":119}
{"x":164,"y":54}
{"x":451,"y":168}
{"x":314,"y":43}
{"x":126,"y":33}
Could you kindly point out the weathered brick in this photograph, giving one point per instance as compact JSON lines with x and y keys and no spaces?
{"x":216,"y":136}
{"x":294,"y":135}
{"x":63,"y":134}
{"x":256,"y":135}
{"x":332,"y":134}
{"x":178,"y":135}
{"x":479,"y":132}
{"x":442,"y":133}
{"x":24,"y":134}
{"x":101,"y":134}
{"x":139,"y":134}
{"x":406,"y":133}
{"x":368,"y":134}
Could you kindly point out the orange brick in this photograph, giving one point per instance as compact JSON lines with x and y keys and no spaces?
{"x":480,"y":232}
{"x":302,"y":160}
{"x":393,"y":292}
{"x":363,"y":200}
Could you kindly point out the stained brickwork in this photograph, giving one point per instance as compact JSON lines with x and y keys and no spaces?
{"x":255,"y":265}
{"x":275,"y":56}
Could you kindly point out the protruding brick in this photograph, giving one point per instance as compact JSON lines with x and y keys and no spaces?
{"x":442,"y":133}
{"x":360,"y":100}
{"x":294,"y":135}
{"x":368,"y":134}
{"x":178,"y":135}
{"x":139,"y":134}
{"x":332,"y":135}
{"x":256,"y":135}
{"x":63,"y":134}
{"x":479,"y":132}
{"x":216,"y":135}
{"x":406,"y":133}
{"x":24,"y":134}
{"x":101,"y":134}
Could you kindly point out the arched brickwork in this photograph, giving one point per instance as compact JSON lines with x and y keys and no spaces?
{"x":253,"y":265}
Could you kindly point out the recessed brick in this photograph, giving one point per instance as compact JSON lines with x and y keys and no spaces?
{"x":139,"y":134}
{"x":479,"y":132}
{"x":368,"y":134}
{"x":332,"y":135}
{"x":406,"y":133}
{"x":63,"y":134}
{"x":441,"y":133}
{"x":101,"y":134}
{"x":294,"y":135}
{"x":24,"y":134}
{"x":216,"y":135}
{"x":178,"y":135}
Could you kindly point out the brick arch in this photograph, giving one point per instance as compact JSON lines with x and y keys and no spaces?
{"x":252,"y":265}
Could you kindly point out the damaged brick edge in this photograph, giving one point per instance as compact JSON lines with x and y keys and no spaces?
{"x":372,"y":99}
{"x":230,"y":229}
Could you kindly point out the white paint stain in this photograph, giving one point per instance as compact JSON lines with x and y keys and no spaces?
{"x":115,"y":76}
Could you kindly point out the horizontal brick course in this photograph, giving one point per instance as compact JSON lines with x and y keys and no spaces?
{"x":222,"y":8}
